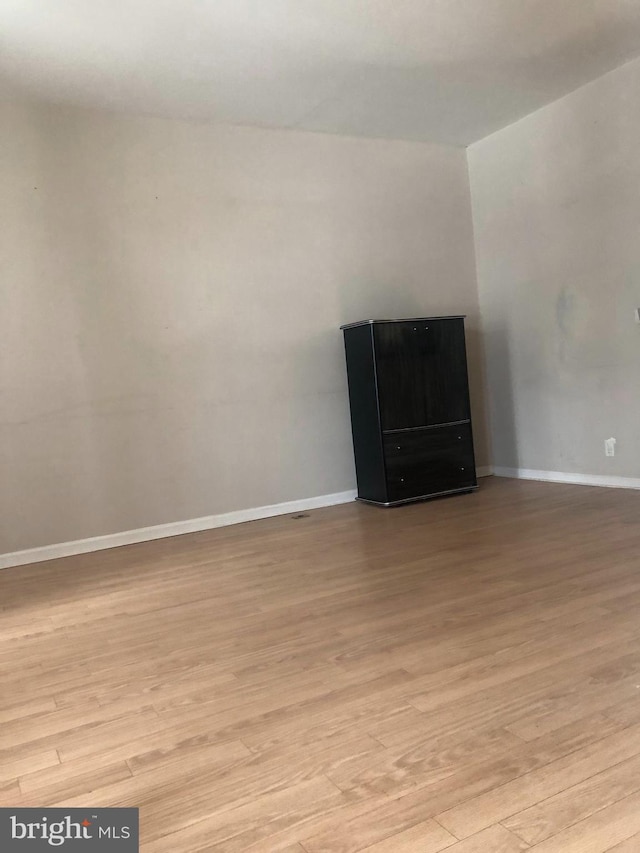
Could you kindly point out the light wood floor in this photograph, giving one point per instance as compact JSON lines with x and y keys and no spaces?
{"x":462,"y":674}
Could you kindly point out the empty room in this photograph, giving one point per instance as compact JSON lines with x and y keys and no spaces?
{"x":320,"y":426}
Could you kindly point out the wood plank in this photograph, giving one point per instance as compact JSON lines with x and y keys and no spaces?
{"x":555,"y":813}
{"x":494,"y":839}
{"x":10,"y":794}
{"x":181,"y":790}
{"x":26,"y":709}
{"x":606,"y":684}
{"x":13,"y":767}
{"x":336,"y":683}
{"x":268,"y":847}
{"x":375,"y":806}
{"x":553,"y":688}
{"x":235,"y":829}
{"x":526,"y":790}
{"x":630,"y":845}
{"x":57,"y":784}
{"x":425,"y":763}
{"x":598,"y":833}
{"x":427,"y":837}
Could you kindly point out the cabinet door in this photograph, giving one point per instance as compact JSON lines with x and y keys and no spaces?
{"x":429,"y":461}
{"x":422,"y":373}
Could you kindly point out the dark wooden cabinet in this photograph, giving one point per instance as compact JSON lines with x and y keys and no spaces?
{"x":410,"y":415}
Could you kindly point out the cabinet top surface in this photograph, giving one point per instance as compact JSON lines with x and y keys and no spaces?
{"x":403,"y":320}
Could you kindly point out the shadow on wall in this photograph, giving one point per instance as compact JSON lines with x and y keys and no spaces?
{"x":478,"y":392}
{"x":503,"y":436}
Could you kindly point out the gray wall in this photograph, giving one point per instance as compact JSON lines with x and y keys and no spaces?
{"x":171,"y":296}
{"x":556,"y":209}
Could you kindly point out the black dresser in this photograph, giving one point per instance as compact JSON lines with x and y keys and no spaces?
{"x":410,"y":415}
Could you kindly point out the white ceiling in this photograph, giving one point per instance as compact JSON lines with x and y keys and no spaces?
{"x":448,"y":71}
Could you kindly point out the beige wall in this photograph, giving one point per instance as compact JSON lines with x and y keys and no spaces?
{"x":556,"y":207}
{"x":171,"y":297}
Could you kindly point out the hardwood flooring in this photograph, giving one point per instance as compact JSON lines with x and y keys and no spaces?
{"x":459,"y":675}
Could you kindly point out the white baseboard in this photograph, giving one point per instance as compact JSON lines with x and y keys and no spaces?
{"x":174,"y":528}
{"x":575,"y":479}
{"x":177,"y":528}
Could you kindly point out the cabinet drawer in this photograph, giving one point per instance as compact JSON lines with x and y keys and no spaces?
{"x":429,"y":461}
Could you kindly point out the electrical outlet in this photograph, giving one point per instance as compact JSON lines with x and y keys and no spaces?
{"x":609,"y":447}
{"x":636,"y":314}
